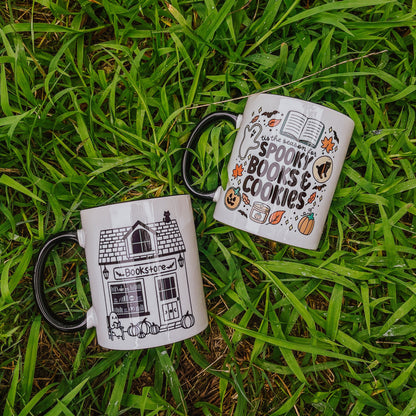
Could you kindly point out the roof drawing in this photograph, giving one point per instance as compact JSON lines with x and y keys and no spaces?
{"x":113,"y":242}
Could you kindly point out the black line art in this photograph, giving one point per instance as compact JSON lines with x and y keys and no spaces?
{"x":146,"y":279}
{"x":304,"y":129}
{"x":249,"y":141}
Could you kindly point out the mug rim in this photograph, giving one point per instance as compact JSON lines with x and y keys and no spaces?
{"x":300,"y":100}
{"x":134,"y":201}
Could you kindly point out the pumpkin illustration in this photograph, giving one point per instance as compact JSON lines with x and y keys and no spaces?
{"x":187,"y":320}
{"x":306,"y":224}
{"x":133,"y":330}
{"x":154,"y":329}
{"x":276,"y":217}
{"x":144,"y":327}
{"x":232,"y":198}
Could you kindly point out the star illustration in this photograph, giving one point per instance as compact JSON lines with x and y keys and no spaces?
{"x":238,"y":171}
{"x":327,"y":144}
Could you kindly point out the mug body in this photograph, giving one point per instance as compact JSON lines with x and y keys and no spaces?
{"x":144,"y":273}
{"x":284,"y":168}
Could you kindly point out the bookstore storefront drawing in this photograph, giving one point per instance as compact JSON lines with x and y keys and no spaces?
{"x":145,"y":279}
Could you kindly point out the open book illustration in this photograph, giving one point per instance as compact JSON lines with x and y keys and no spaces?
{"x":299,"y":127}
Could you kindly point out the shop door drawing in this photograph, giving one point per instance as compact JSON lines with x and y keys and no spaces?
{"x":168,"y":299}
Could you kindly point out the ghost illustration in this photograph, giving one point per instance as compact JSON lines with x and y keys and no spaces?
{"x":249,"y":141}
{"x":114,"y":320}
{"x":115,"y":329}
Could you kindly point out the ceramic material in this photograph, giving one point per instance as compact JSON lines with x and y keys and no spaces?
{"x":144,"y":273}
{"x":283,"y":170}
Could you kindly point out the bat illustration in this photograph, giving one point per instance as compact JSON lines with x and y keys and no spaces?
{"x":242,"y":213}
{"x":336,"y":137}
{"x":319,"y":187}
{"x":269,"y":114}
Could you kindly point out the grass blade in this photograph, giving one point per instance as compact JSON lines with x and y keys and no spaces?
{"x":172,"y":378}
{"x":365,"y":296}
{"x":287,"y":354}
{"x":27,"y":410}
{"x":290,"y":403}
{"x":11,"y":183}
{"x":30,"y":359}
{"x":11,"y":394}
{"x":66,"y":400}
{"x":363,"y":397}
{"x":300,"y":308}
{"x":402,"y":379}
{"x":334,"y":311}
{"x":113,"y":407}
{"x":400,"y":313}
{"x":411,"y":406}
{"x":291,"y":345}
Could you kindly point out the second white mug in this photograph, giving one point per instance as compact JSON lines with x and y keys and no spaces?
{"x":283,"y":169}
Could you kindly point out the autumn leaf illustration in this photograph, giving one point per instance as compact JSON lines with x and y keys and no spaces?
{"x":246,"y":199}
{"x":312,"y":198}
{"x":327,"y":144}
{"x":238,"y":171}
{"x":274,"y":122}
{"x":276,"y":217}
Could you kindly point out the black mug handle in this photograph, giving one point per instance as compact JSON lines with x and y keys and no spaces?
{"x":193,"y":139}
{"x":38,"y":277}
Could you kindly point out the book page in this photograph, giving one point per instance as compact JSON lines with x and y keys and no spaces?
{"x":312,"y":132}
{"x":293,"y":124}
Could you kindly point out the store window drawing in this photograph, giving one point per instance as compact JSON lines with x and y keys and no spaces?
{"x":167,"y":288}
{"x":128,"y":299}
{"x":144,"y":272}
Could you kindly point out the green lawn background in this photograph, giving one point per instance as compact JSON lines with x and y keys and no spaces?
{"x":95,"y":108}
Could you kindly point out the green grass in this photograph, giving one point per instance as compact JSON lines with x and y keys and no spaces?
{"x":94,"y":106}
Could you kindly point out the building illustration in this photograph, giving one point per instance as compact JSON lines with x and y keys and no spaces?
{"x":145,"y":279}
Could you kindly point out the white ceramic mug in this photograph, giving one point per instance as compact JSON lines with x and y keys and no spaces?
{"x":144,"y":274}
{"x":283,"y":169}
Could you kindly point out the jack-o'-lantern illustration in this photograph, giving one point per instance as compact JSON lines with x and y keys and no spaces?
{"x":306,"y":224}
{"x":232,"y":198}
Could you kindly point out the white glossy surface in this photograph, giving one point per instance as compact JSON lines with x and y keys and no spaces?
{"x":286,"y":161}
{"x":123,"y":281}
